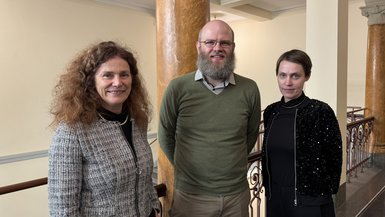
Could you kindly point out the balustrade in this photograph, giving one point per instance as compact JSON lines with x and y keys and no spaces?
{"x":255,"y":182}
{"x":358,"y":155}
{"x":357,"y":141}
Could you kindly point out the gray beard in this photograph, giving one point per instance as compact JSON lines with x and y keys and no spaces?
{"x":216,"y":73}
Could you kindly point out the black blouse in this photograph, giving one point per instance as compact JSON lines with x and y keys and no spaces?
{"x":281,"y":142}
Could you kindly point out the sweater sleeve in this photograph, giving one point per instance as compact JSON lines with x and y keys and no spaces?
{"x":167,"y":122}
{"x":64,"y":174}
{"x":254,"y":120}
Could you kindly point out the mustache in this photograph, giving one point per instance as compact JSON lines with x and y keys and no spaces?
{"x":216,"y":52}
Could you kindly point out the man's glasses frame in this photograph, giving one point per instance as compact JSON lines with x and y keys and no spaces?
{"x":213,"y":43}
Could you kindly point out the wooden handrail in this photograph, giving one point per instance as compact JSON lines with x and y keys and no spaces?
{"x":361,"y":121}
{"x":23,"y":185}
{"x":161,"y":189}
{"x":355,"y":111}
{"x":254,"y":156}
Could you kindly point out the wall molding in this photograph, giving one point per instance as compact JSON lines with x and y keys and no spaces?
{"x":23,"y":156}
{"x":43,"y":153}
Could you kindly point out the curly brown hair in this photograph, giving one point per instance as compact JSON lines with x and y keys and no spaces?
{"x":75,"y":96}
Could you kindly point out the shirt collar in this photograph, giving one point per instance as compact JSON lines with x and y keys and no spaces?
{"x":199,"y":76}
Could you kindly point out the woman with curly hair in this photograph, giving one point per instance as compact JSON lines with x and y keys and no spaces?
{"x":100,"y":163}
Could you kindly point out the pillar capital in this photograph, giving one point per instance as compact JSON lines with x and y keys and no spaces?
{"x":374,"y":11}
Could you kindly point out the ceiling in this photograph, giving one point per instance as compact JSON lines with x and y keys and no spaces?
{"x":228,"y":10}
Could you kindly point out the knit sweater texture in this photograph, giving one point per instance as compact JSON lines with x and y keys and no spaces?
{"x":93,"y":172}
{"x":207,"y":136}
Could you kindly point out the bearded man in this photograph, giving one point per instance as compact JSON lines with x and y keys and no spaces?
{"x":209,"y":122}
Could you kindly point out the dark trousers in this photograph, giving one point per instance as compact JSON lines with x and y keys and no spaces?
{"x":281,"y":204}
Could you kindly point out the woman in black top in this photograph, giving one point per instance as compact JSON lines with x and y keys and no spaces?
{"x":302,"y":149}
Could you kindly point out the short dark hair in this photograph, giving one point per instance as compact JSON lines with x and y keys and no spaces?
{"x":296,"y":56}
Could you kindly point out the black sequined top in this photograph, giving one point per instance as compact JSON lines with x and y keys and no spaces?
{"x":317,"y":147}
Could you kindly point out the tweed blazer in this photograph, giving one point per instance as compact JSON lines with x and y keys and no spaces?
{"x":93,"y":172}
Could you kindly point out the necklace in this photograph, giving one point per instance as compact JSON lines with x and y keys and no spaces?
{"x":294,"y":105}
{"x":121,"y":124}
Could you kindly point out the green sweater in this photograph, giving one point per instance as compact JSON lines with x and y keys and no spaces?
{"x":207,"y":137}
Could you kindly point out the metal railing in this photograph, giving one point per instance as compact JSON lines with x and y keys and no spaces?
{"x":359,"y":129}
{"x":255,"y":182}
{"x":357,"y":142}
{"x":355,"y":113}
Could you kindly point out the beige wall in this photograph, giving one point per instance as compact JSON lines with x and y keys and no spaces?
{"x":38,"y":38}
{"x":357,"y":43}
{"x":259,"y":44}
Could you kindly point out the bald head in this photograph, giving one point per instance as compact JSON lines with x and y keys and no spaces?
{"x":216,"y":27}
{"x":215,"y":48}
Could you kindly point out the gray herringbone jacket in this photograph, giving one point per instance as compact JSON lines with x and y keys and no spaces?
{"x":92,"y":172}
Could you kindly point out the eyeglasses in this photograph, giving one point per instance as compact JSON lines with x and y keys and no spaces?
{"x":212,"y":43}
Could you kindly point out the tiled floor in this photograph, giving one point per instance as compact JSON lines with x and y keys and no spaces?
{"x":366,"y":193}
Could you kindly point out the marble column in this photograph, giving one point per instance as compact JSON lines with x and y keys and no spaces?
{"x":178,"y":25}
{"x":375,"y":71}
